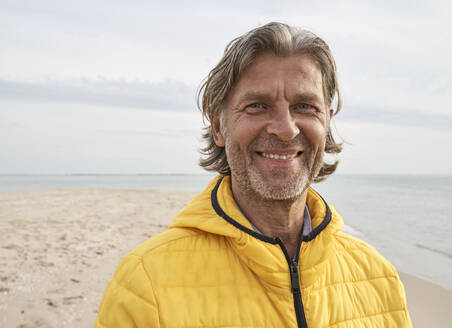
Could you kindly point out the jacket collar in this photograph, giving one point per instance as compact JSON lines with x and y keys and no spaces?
{"x":214,"y":211}
{"x":217,"y":201}
{"x":224,"y":205}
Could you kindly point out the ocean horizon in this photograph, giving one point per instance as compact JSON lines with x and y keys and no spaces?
{"x":406,"y":217}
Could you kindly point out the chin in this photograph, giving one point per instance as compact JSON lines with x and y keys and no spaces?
{"x":290,"y":189}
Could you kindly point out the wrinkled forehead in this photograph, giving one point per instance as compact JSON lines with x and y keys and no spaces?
{"x":272,"y":76}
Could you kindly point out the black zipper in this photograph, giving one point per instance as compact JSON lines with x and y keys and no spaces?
{"x":295,"y":283}
{"x":293,"y":263}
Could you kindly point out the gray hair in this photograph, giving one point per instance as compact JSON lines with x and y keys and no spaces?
{"x":281,"y":40}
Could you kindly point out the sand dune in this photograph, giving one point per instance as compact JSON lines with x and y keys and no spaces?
{"x":59,"y":249}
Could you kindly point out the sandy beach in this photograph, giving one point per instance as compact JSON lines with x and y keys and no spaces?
{"x":58,"y":250}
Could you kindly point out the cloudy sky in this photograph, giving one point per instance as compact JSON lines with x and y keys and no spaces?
{"x":109,"y":86}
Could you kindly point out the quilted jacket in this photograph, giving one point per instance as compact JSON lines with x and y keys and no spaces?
{"x":210,"y":269}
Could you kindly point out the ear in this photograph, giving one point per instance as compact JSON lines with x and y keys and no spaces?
{"x":331,"y":112}
{"x":216,"y":133}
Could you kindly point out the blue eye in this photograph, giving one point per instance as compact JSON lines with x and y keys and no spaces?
{"x":255,"y":108}
{"x":304,"y":106}
{"x":255,"y":105}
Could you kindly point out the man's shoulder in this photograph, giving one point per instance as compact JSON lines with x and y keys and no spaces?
{"x":350,"y":250}
{"x":358,"y":253}
{"x":161,"y":250}
{"x":348,"y":241}
{"x":169,"y":240}
{"x":132,"y":287}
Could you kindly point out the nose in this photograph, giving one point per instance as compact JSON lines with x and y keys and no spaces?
{"x":283,"y":125}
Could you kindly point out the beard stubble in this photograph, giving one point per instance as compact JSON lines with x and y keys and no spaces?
{"x":278,"y":184}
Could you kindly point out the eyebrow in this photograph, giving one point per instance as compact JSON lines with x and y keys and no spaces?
{"x":308,"y":96}
{"x":255,"y":95}
{"x":261,"y":96}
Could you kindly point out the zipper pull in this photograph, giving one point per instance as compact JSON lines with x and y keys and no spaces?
{"x":294,"y":277}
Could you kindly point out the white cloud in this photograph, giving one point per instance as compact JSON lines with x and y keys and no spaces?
{"x":73,"y":72}
{"x":67,"y":138}
{"x":167,"y":94}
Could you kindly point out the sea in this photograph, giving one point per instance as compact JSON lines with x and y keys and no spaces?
{"x":407,"y":218}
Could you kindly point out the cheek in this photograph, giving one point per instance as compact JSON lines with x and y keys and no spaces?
{"x":315,"y":134}
{"x":244,"y":134}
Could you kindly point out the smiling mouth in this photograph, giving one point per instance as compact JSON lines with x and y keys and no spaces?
{"x":280,"y":156}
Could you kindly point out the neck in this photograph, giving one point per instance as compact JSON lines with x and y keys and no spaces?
{"x":274,"y":218}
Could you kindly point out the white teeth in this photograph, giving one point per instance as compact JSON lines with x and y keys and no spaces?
{"x":276,"y":156}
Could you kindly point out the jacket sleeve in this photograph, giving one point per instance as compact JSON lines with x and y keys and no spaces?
{"x":129,"y":299}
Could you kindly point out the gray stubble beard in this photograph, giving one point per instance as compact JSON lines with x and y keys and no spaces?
{"x":253,"y":183}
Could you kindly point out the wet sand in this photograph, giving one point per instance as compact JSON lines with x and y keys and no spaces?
{"x":58,"y":250}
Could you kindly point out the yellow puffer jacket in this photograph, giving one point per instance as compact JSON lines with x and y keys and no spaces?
{"x":209,"y":269}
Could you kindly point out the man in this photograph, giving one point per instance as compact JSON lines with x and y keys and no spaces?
{"x":259,"y":248}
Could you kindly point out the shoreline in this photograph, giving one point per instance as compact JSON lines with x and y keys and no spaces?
{"x":61,"y":247}
{"x":429,"y":304}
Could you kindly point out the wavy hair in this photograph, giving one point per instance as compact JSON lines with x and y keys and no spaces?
{"x":281,"y":40}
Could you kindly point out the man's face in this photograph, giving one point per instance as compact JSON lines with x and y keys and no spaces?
{"x":275,"y":127}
